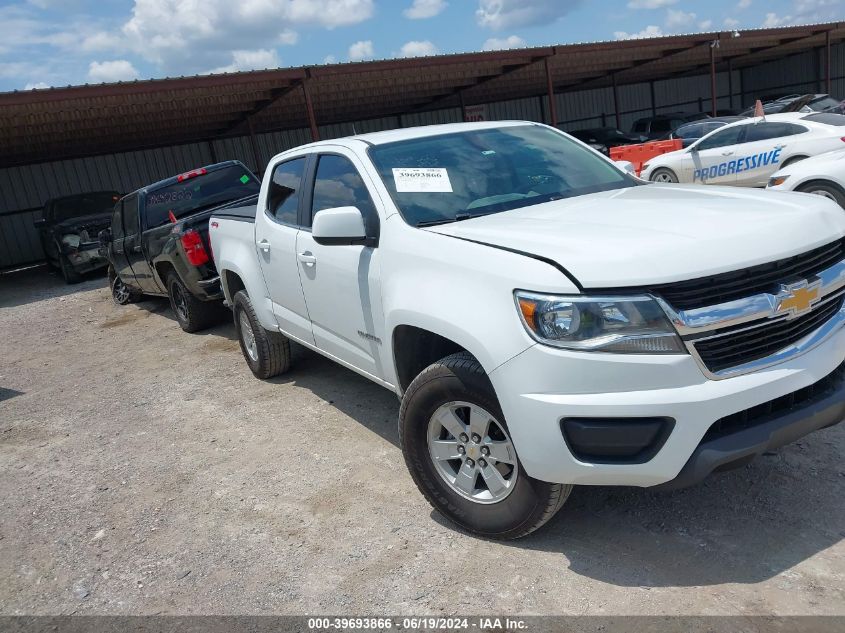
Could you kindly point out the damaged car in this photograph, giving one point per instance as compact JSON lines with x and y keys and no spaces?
{"x":69,"y":229}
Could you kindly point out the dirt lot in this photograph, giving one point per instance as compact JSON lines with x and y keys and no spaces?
{"x":144,"y":470}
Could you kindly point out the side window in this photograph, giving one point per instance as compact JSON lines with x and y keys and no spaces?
{"x":765,"y":131}
{"x":337,"y":183}
{"x":723,"y":138}
{"x":661,"y":125}
{"x":117,"y":221}
{"x":130,"y":215}
{"x":283,"y":195}
{"x":640,"y":126}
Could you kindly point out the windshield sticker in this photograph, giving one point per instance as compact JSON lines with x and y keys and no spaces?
{"x":738,"y":165}
{"x":422,"y":180}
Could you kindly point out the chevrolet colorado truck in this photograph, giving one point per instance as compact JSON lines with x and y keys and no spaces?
{"x":158,"y":237}
{"x":68,"y":232}
{"x":547,"y":319}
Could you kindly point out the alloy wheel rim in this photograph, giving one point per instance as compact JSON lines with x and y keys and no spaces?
{"x":472,"y":452}
{"x":180,"y":303}
{"x":663,"y":177}
{"x":119,"y":291}
{"x":248,"y":337}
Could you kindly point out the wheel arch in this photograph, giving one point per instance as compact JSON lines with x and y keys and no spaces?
{"x":807,"y":184}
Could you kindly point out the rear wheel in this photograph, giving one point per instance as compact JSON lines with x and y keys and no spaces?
{"x":191,"y":313}
{"x":825,"y":189}
{"x":266,"y":353}
{"x":663,"y":174}
{"x":458,"y":448}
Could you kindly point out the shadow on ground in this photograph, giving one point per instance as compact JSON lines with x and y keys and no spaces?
{"x":38,"y":283}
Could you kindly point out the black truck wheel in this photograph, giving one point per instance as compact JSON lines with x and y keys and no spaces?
{"x":266,"y":353}
{"x":191,"y":313}
{"x":456,"y":444}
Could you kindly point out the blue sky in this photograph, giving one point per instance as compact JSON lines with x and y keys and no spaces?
{"x":61,"y":42}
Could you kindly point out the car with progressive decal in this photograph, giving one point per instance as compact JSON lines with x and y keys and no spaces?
{"x":546,"y":318}
{"x":823,"y":175}
{"x":748,"y":152}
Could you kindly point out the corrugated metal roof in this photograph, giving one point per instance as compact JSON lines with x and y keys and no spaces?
{"x":46,"y":124}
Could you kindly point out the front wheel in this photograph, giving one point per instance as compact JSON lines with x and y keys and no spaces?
{"x":458,"y":449}
{"x":826,"y":190}
{"x":663,"y":175}
{"x":121,"y":294}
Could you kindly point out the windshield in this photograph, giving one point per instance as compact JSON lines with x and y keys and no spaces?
{"x":63,"y":209}
{"x":197,"y":193}
{"x":823,"y":103}
{"x":451,"y":177}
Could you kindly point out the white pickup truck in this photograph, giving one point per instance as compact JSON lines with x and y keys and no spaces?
{"x":546,"y":318}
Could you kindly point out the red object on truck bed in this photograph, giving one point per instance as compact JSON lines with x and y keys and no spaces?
{"x":638,"y":155}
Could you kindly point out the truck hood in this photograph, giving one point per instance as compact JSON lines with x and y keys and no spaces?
{"x":659,"y":233}
{"x":84,"y":222}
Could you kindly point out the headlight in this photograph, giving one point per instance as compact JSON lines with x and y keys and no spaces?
{"x":626,"y":325}
{"x":774,"y":182}
{"x":71,"y":240}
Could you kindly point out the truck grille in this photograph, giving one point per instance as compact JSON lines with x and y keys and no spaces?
{"x":779,"y":406}
{"x":726,"y":287}
{"x":750,"y":343}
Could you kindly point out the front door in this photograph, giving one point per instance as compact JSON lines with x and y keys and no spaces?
{"x":276,"y":228}
{"x":763,"y":150}
{"x":118,"y":252}
{"x":713,"y":160}
{"x":342,"y":283}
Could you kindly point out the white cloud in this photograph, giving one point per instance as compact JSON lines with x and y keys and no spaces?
{"x":329,"y":59}
{"x":650,"y":4}
{"x":422,"y":9}
{"x":193,"y":35}
{"x":39,"y":85}
{"x":251,"y":60}
{"x":110,"y":71}
{"x":806,"y":12}
{"x":418,"y":49}
{"x":500,"y":43}
{"x":731,"y":23}
{"x":506,"y":14}
{"x":743,"y":4}
{"x":677,"y":19}
{"x":705,"y":24}
{"x":649,"y":31}
{"x":361,"y":50}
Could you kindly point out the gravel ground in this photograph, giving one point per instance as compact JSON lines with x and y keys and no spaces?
{"x":144,"y":471}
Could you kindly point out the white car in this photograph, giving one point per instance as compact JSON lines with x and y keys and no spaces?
{"x":546,"y":318}
{"x":748,"y":152}
{"x":823,"y":175}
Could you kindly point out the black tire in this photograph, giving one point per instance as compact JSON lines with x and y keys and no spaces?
{"x":792,"y":161}
{"x":191,"y":313}
{"x":460,"y":377}
{"x":121,"y":294}
{"x":826,"y":189}
{"x":271,"y":354}
{"x":670,"y":175}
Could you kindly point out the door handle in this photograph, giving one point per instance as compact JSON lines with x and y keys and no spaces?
{"x":727,"y":153}
{"x":307,"y":258}
{"x":780,"y":146}
{"x":264,"y":245}
{"x":136,"y":249}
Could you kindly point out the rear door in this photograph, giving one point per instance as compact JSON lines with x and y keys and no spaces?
{"x":766,"y":143}
{"x":342,"y":284}
{"x":132,"y":246}
{"x":276,"y":228}
{"x":713,"y":160}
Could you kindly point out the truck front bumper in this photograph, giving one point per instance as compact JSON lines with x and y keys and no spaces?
{"x":86,"y":258}
{"x":710,"y":424}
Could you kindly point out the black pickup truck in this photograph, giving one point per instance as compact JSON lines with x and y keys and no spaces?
{"x":68,"y":232}
{"x":158,"y":240}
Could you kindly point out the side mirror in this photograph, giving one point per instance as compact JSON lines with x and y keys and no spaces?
{"x":40,"y":224}
{"x":626,"y":165}
{"x":104,"y":237}
{"x":341,"y":226}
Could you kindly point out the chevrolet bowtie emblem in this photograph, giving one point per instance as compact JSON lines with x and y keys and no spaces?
{"x":798,"y":298}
